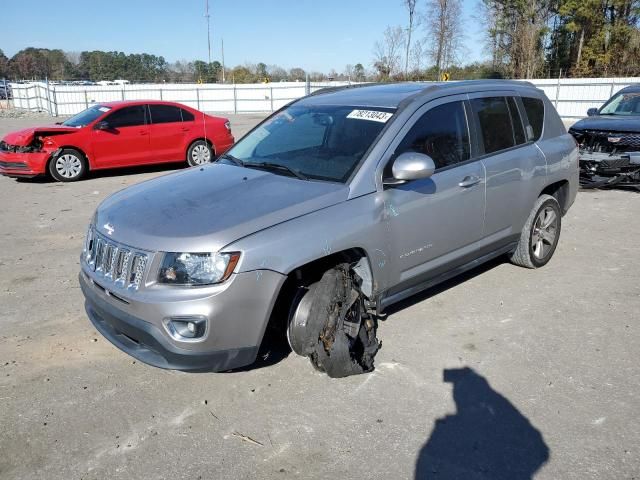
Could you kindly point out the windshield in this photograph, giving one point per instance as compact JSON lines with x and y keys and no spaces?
{"x":623,"y":104}
{"x":87,"y":116}
{"x":316,"y":142}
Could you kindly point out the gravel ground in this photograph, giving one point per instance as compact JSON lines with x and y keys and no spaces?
{"x":505,"y":373}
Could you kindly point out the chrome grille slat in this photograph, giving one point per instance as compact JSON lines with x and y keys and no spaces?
{"x":113,"y":262}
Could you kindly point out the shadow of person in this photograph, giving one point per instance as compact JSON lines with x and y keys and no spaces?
{"x":487,"y":438}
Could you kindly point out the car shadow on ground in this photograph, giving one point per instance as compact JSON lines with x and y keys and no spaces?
{"x":113,"y":172}
{"x":487,"y":437}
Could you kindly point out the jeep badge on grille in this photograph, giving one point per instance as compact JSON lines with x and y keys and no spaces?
{"x":109,"y":228}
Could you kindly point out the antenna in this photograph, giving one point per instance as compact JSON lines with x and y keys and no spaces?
{"x":207,"y":16}
{"x":222,"y":60}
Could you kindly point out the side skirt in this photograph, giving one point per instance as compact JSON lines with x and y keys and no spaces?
{"x":385,"y":301}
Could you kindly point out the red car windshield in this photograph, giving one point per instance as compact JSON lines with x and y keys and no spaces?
{"x":87,"y":116}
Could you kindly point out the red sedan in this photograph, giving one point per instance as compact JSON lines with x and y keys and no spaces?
{"x":115,"y":134}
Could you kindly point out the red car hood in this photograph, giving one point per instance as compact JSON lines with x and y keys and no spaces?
{"x":22,"y":138}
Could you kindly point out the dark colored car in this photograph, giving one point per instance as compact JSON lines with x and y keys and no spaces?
{"x":115,"y":134}
{"x":5,"y":90}
{"x":609,"y":141}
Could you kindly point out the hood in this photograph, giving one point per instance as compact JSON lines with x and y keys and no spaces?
{"x":610,"y":123}
{"x":206,"y":208}
{"x":23,"y":138}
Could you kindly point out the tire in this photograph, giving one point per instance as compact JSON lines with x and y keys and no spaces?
{"x":68,"y":166}
{"x":199,"y":153}
{"x":331,"y":325}
{"x":540,"y":234}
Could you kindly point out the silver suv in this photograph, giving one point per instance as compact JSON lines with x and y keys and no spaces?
{"x":335,"y":207}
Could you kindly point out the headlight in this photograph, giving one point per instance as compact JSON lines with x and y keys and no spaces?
{"x":197,"y":268}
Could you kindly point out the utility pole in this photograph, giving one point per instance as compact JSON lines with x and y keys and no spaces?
{"x":222,"y":40}
{"x":207,"y":16}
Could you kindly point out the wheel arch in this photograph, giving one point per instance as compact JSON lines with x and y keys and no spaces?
{"x":68,"y":147}
{"x":356,"y":256}
{"x":559,"y":190}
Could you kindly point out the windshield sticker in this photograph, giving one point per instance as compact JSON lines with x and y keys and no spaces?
{"x":104,"y":109}
{"x":261,"y":133}
{"x":372,"y":115}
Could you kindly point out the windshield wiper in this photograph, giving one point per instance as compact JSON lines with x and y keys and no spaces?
{"x":277,"y":166}
{"x":235,"y":160}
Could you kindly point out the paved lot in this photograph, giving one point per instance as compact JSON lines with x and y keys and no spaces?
{"x":504,"y":374}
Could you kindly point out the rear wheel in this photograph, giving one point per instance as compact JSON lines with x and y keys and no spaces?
{"x":199,"y":153}
{"x":69,"y":166}
{"x":540,"y":235}
{"x":330,"y":323}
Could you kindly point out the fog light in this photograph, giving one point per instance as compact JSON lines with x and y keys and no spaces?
{"x":186,"y":328}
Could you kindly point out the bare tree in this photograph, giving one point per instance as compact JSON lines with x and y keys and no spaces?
{"x":410,"y":5}
{"x":444,"y":26}
{"x":516,"y":34}
{"x":348,"y":72}
{"x":387,"y":52}
{"x":73,"y":57}
{"x":417,"y":56}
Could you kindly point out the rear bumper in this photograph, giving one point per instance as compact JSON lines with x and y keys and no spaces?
{"x":23,"y":164}
{"x":237,"y":318}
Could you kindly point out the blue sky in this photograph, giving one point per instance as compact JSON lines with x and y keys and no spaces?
{"x":312,"y":34}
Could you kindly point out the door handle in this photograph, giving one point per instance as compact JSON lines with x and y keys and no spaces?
{"x":469,"y":181}
{"x":144,"y":132}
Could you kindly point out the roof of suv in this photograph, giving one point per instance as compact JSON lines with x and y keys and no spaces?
{"x":390,"y":95}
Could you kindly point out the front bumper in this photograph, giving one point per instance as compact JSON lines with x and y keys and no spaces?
{"x":237,"y":314}
{"x":606,"y":170}
{"x":23,"y":164}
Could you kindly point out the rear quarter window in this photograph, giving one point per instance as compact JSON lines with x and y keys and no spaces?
{"x":186,"y":116}
{"x":535,"y":112}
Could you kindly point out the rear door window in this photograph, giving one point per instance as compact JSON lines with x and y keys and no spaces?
{"x":165,"y":114}
{"x":494,"y":118}
{"x":442,"y":133}
{"x":535,"y":113}
{"x":127,"y":117}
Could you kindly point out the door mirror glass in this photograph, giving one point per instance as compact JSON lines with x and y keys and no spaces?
{"x":592,"y":112}
{"x":412,"y":166}
{"x":102,"y":126}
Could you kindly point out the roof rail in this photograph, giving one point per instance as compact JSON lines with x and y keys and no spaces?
{"x":338,"y":88}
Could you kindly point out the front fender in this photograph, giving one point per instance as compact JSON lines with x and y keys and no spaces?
{"x":356,"y":223}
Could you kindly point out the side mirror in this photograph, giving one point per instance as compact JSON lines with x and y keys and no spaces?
{"x":411,"y":166}
{"x":592,"y":112}
{"x":102,"y":126}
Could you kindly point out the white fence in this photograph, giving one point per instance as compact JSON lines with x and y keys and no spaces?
{"x":240,"y":98}
{"x":571,"y":97}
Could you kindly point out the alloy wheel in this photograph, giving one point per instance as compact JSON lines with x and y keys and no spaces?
{"x":545,"y":229}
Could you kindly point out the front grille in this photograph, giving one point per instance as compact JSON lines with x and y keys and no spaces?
{"x":14,"y":165}
{"x":614,"y":139}
{"x":115,"y":263}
